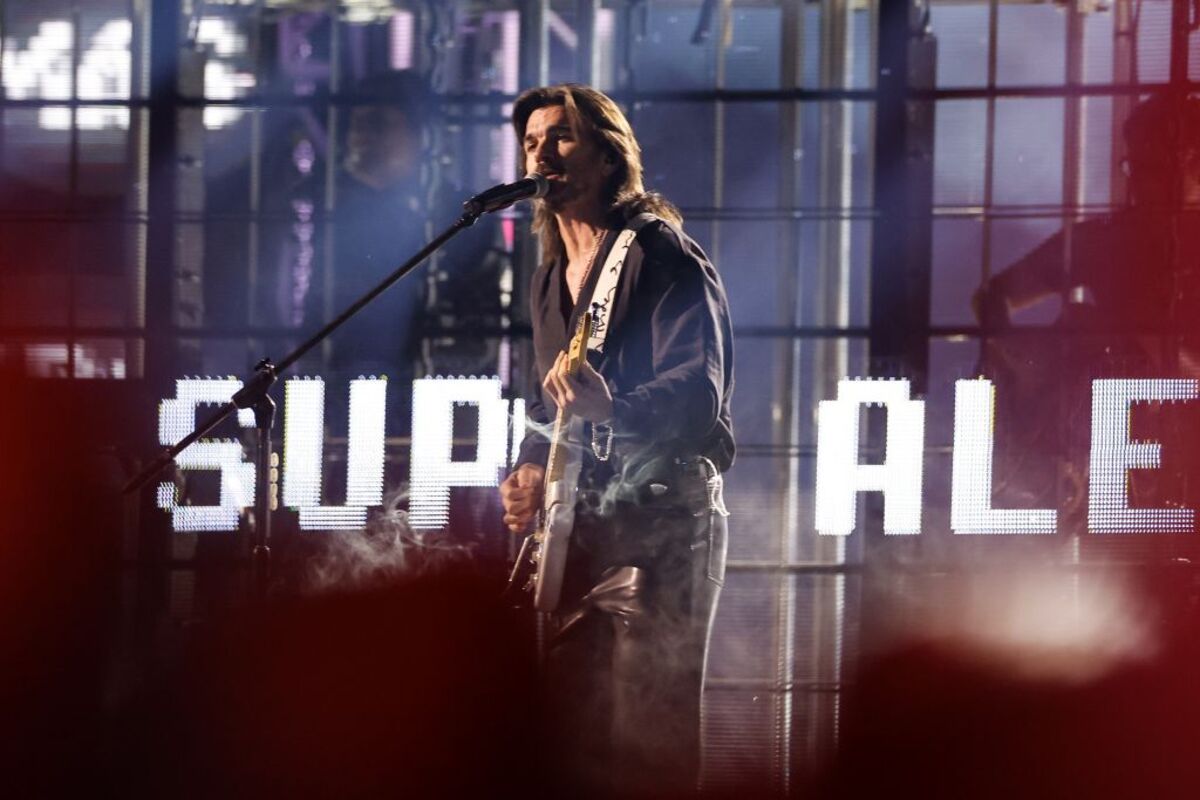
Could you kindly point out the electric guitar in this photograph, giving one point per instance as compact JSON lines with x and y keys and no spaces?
{"x":546,"y":547}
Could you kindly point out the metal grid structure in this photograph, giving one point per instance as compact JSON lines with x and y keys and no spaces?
{"x":854,"y":169}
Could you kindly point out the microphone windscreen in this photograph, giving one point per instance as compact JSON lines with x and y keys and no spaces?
{"x":543,"y":185}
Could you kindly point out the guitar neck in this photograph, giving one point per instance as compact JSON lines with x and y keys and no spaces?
{"x":576,"y":354}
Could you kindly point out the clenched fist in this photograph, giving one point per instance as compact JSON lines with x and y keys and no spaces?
{"x":521,"y":494}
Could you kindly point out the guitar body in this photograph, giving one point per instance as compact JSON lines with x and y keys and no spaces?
{"x":558,"y":520}
{"x":552,"y":539}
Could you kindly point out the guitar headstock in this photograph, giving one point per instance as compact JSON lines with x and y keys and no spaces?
{"x":577,"y":350}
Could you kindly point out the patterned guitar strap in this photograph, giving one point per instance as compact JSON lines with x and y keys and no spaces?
{"x":603,"y":297}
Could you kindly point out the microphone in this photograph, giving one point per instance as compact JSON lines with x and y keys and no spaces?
{"x":502,"y":196}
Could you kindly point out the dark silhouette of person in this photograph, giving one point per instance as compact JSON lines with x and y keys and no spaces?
{"x":1136,"y":268}
{"x":392,"y":198}
{"x":1128,"y":283}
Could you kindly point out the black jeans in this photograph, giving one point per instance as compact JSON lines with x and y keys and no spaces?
{"x":625,"y":672}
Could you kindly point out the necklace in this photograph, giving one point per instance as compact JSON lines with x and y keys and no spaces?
{"x":590,"y":263}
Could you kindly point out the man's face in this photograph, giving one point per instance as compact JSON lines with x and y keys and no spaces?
{"x":380,"y":145}
{"x":576,"y":168}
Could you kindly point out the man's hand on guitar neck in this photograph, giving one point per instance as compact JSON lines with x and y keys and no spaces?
{"x":584,"y":395}
{"x":521,"y":494}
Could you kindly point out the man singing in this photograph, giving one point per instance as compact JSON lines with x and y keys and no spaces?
{"x":625,"y":663}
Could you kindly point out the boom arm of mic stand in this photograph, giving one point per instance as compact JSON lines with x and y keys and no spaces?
{"x":266,"y":371}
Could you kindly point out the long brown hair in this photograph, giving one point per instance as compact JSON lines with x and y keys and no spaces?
{"x":594,"y":114}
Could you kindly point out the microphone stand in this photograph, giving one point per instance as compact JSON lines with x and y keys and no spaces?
{"x":255,"y":395}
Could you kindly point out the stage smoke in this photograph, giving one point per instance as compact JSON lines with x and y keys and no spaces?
{"x":385,"y":551}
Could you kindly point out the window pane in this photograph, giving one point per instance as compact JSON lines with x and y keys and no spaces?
{"x":1031,"y":45}
{"x":959,"y":153}
{"x":1029,"y":152}
{"x":107,"y":284}
{"x":670,"y":157}
{"x":957,"y":271}
{"x":1096,"y":155}
{"x":962,"y":43}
